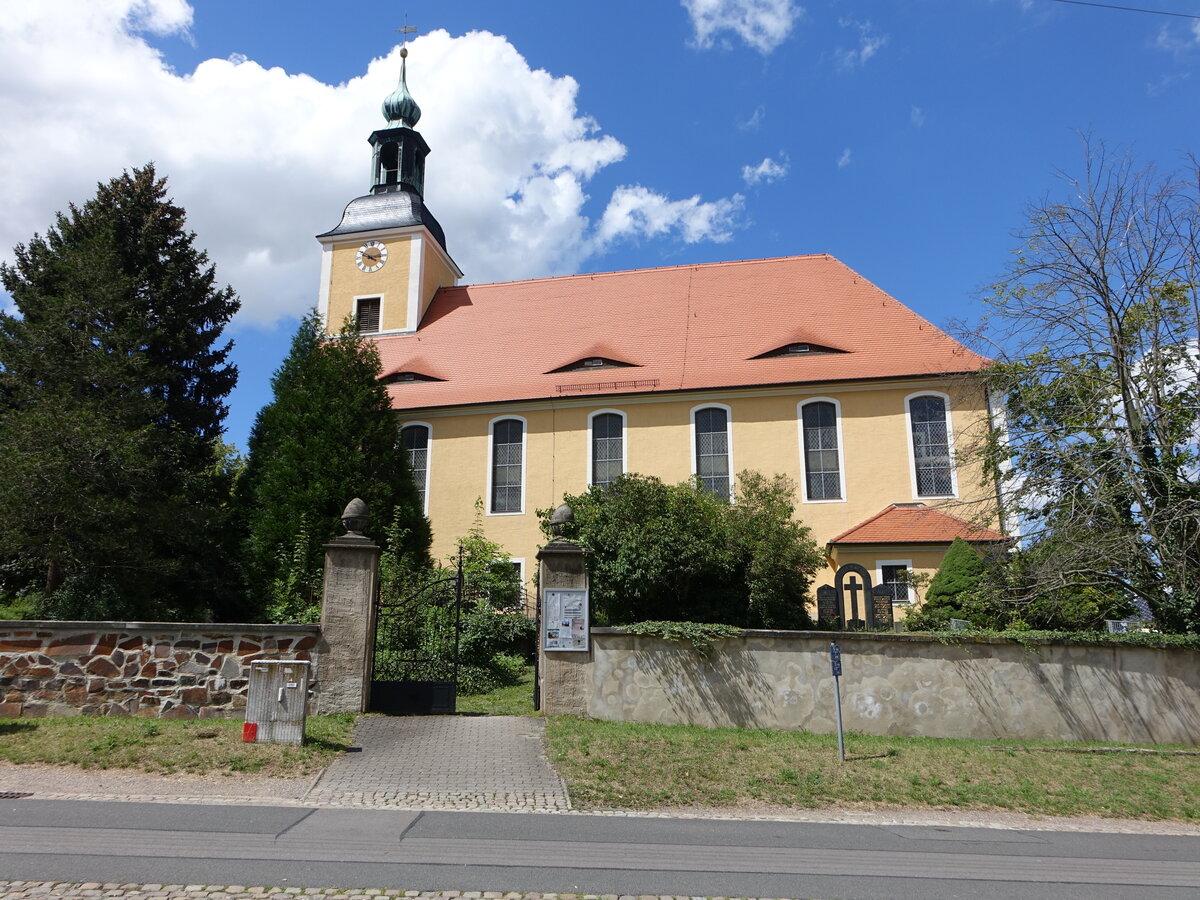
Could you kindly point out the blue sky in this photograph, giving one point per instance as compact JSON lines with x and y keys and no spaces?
{"x":904,"y":137}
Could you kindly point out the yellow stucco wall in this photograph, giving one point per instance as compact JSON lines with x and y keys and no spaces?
{"x":875,"y":443}
{"x":347,"y":281}
{"x":437,"y":273}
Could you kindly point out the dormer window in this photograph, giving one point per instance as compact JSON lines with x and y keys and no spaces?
{"x":589,"y":363}
{"x":798,"y":348}
{"x":406,"y":377}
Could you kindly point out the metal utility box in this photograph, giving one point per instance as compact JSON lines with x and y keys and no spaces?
{"x":278,"y":701}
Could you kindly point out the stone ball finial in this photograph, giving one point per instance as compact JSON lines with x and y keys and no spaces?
{"x":562,"y":516}
{"x":355,"y":518}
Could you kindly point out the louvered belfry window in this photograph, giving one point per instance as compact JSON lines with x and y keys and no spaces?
{"x":415,"y":441}
{"x":507,"y":446}
{"x":367,"y":313}
{"x":822,"y":473}
{"x":608,"y":451}
{"x":931,"y":446}
{"x":712,"y":450}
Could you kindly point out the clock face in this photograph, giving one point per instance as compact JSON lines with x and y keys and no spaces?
{"x":371,"y":256}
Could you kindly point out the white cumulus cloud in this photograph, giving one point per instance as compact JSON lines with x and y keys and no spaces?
{"x":844,"y":159}
{"x":263,"y":159}
{"x":766,"y":171}
{"x":762,"y":24}
{"x":869,"y":43}
{"x":640,"y":212}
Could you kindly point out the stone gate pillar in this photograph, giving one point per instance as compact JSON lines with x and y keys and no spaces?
{"x":348,"y":617}
{"x":564,"y":676}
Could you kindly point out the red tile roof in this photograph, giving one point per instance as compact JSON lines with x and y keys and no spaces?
{"x":915,"y":523}
{"x":686,"y":327}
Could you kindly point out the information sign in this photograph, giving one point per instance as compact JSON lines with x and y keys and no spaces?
{"x":565,"y":617}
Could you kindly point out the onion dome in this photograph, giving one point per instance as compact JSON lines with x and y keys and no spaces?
{"x":400,"y":108}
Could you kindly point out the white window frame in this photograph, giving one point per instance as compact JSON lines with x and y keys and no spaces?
{"x":908,"y":440}
{"x":837,"y":412}
{"x":491,"y":446}
{"x":428,"y":456}
{"x":624,"y":441}
{"x":378,"y":295}
{"x":519,"y":562}
{"x":728,"y":439}
{"x":908,"y":566}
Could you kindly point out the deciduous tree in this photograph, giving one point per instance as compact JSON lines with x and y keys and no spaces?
{"x":678,"y":552}
{"x":1097,"y":325}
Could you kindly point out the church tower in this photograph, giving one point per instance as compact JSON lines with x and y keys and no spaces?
{"x":387,"y":257}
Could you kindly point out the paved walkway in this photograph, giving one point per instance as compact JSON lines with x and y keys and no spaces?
{"x":445,"y":762}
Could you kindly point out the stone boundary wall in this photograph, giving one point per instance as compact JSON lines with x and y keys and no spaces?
{"x":153,"y":669}
{"x":903,"y":684}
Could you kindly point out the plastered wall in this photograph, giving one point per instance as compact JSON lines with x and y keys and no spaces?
{"x":894,"y":684}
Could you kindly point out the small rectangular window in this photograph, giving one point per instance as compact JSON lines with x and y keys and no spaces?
{"x":895,"y":578}
{"x":366,"y":313}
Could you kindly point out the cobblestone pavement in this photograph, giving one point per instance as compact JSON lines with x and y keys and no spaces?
{"x":51,"y":890}
{"x":445,"y":762}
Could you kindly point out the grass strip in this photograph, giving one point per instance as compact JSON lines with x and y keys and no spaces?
{"x":623,"y":765}
{"x":167,"y":746}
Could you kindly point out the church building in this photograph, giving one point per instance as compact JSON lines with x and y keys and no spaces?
{"x":515,"y":394}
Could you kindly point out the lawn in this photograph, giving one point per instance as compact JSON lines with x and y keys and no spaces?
{"x":167,"y":746}
{"x":611,"y":765}
{"x":516,"y":700}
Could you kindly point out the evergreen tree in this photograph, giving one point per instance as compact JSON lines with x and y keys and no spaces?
{"x":960,"y":573}
{"x":112,"y":398}
{"x":327,"y":436}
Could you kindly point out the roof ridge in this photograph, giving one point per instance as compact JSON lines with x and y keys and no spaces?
{"x":614,"y":272}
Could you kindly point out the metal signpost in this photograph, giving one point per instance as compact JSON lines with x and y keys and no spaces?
{"x":835,"y":660}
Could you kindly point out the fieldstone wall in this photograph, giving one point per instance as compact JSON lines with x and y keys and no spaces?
{"x":174,"y":671}
{"x":903,"y":684}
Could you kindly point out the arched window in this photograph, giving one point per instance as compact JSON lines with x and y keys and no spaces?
{"x":711,"y":424}
{"x":822,"y":463}
{"x":608,"y":448}
{"x":508,"y":466}
{"x":933,"y":468}
{"x":414,"y":440}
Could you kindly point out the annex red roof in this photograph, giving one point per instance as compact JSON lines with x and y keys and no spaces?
{"x":915,"y":523}
{"x":681,"y":328}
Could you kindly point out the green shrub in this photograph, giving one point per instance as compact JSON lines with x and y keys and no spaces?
{"x":659,"y":552}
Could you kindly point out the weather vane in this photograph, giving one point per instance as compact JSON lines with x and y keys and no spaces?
{"x":406,"y":30}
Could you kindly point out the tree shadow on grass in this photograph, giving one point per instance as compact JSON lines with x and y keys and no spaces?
{"x":17,"y":727}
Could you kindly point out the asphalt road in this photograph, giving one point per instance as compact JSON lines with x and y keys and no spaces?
{"x":60,"y":840}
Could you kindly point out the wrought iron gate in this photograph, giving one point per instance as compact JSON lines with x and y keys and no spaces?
{"x":415,"y":662}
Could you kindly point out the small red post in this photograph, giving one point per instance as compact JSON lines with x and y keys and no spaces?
{"x":249,"y":732}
